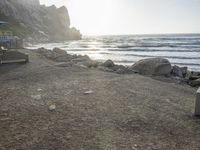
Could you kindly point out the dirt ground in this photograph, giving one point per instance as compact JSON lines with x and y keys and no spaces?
{"x":123,"y":112}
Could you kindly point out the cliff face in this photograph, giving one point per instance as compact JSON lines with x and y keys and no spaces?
{"x":41,"y":22}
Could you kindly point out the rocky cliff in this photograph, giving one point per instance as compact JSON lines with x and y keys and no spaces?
{"x":38,"y":21}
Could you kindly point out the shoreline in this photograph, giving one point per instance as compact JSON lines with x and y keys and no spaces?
{"x":127,"y":50}
{"x":178,"y":74}
{"x":118,"y":63}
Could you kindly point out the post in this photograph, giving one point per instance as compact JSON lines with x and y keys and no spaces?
{"x":197,"y":104}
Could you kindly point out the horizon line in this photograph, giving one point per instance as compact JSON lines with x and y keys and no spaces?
{"x":141,"y":34}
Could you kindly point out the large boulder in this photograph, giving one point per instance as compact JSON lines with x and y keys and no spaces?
{"x":152,"y":66}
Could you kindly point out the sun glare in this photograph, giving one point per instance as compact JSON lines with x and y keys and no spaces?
{"x":102,"y":17}
{"x":97,"y":16}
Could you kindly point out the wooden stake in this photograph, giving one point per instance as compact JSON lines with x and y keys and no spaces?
{"x":197,"y":104}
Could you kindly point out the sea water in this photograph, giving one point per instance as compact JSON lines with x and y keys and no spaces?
{"x":179,"y":49}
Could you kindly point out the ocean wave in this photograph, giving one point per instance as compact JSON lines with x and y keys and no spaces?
{"x":145,"y":56}
{"x":156,"y":50}
{"x":179,"y":49}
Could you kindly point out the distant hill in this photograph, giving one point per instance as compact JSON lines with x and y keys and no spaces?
{"x":30,"y":20}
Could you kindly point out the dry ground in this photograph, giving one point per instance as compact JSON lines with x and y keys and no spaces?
{"x":124,"y":112}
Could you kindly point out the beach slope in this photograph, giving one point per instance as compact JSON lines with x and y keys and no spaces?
{"x":46,"y":106}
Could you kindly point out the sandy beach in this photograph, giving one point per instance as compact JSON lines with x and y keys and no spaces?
{"x":47,"y":107}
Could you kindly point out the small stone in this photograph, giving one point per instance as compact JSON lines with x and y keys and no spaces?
{"x":64,"y":64}
{"x":36,"y":97}
{"x":88,"y":92}
{"x":52,"y":107}
{"x":39,"y":90}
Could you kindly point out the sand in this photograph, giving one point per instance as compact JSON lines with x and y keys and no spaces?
{"x":44,"y":107}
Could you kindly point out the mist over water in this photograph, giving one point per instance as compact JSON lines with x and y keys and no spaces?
{"x":182,"y":50}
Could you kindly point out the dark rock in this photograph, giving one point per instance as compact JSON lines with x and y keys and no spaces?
{"x":45,"y":52}
{"x":117,"y":67}
{"x":176,"y":71}
{"x":179,"y":71}
{"x":64,"y":64}
{"x":121,"y":71}
{"x":194,"y":77}
{"x":64,"y":58}
{"x":79,"y":59}
{"x":131,"y":70}
{"x":59,"y":51}
{"x":89,"y":63}
{"x":195,"y":83}
{"x":108,"y":64}
{"x":184,"y":71}
{"x":85,"y":61}
{"x":152,"y":66}
{"x":102,"y":68}
{"x":194,"y":73}
{"x":188,"y":74}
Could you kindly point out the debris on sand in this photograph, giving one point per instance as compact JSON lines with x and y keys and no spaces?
{"x":39,"y":90}
{"x":36,"y":97}
{"x":88,"y":92}
{"x":52,"y":107}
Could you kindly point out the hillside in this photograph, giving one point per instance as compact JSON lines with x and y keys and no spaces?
{"x":35,"y":22}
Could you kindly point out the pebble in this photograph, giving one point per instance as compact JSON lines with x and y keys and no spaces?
{"x":39,"y":90}
{"x":36,"y":97}
{"x":52,"y":107}
{"x":88,"y":92}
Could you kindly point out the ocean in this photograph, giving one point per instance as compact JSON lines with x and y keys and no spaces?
{"x":179,"y":49}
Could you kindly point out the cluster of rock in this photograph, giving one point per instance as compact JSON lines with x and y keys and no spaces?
{"x":162,"y":67}
{"x":41,"y":23}
{"x":64,"y":60}
{"x":150,"y":67}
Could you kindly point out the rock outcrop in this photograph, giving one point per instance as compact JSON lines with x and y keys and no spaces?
{"x":152,"y":66}
{"x":41,"y":22}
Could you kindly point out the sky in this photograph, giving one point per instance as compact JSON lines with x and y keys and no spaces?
{"x":118,"y":17}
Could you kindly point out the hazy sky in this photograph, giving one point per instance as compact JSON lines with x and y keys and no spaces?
{"x":132,"y":16}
